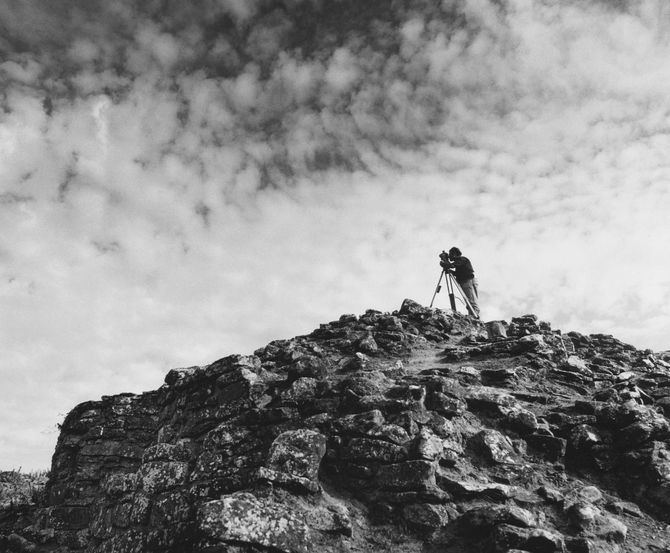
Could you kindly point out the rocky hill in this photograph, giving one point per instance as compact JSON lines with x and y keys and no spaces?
{"x":416,"y":431}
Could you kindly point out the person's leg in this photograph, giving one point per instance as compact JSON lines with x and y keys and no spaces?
{"x":470,"y":289}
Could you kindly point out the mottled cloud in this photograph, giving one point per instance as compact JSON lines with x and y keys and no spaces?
{"x":179,"y":181}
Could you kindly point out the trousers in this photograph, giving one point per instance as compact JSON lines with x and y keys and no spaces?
{"x":470,"y":290}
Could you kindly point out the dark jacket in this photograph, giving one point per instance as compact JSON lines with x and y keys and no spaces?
{"x":462,"y":268}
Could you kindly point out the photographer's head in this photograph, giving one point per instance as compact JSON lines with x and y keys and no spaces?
{"x":454,"y":252}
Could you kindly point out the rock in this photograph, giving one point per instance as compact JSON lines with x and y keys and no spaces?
{"x":426,"y":516}
{"x":365,"y":449}
{"x":588,"y":494}
{"x":242,"y":518}
{"x":413,"y":309}
{"x":445,"y":405}
{"x":582,"y":514}
{"x":499,"y":377}
{"x":410,"y":475}
{"x":373,"y":424}
{"x":445,"y":453}
{"x":158,"y":476}
{"x":175,"y":376}
{"x":493,"y":446}
{"x":550,"y":494}
{"x":116,"y":485}
{"x":19,"y":544}
{"x":308,"y":366}
{"x":482,"y":519}
{"x":333,"y":518}
{"x":429,"y":446}
{"x":610,"y":529}
{"x":508,"y":537}
{"x":496,"y":330}
{"x":302,"y":389}
{"x":575,"y":364}
{"x":624,"y":508}
{"x":520,"y":419}
{"x":368,"y":345}
{"x":582,"y":444}
{"x":294,"y":459}
{"x":624,"y":376}
{"x":367,"y":384}
{"x":551,"y":447}
{"x":167,"y":452}
{"x":471,"y":489}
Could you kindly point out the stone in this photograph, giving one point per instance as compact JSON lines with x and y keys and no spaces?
{"x":471,"y":489}
{"x":582,"y":515}
{"x":426,"y":516}
{"x":365,"y":449}
{"x":581,"y":444}
{"x":19,"y":544}
{"x":116,"y":485}
{"x":294,"y":459}
{"x":610,"y":529}
{"x":520,"y":419}
{"x":624,"y":376}
{"x":243,"y":518}
{"x":480,"y":519}
{"x":575,"y":364}
{"x":500,"y":377}
{"x":368,"y":345}
{"x":624,"y":508}
{"x":311,"y":442}
{"x":158,"y":476}
{"x":508,"y":537}
{"x":588,"y":494}
{"x":302,"y":389}
{"x":333,"y":519}
{"x":429,"y":446}
{"x":496,"y":330}
{"x":493,"y":446}
{"x":551,"y":447}
{"x":176,"y":376}
{"x":484,"y":397}
{"x":166,"y":452}
{"x":446,"y":405}
{"x":411,"y":308}
{"x":552,"y":495}
{"x":410,"y":475}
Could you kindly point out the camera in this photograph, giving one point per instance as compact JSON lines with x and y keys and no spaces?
{"x":445,"y":262}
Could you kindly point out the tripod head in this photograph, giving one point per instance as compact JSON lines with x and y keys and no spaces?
{"x":445,"y":262}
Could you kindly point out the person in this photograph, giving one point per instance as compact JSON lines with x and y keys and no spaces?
{"x":465,"y":276}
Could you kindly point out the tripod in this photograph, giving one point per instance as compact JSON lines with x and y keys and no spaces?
{"x":452,"y":284}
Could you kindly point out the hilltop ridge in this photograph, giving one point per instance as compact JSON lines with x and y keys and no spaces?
{"x":417,"y":430}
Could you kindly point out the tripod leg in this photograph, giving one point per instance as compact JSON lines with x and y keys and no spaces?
{"x":437,"y":289}
{"x":468,"y":305}
{"x":450,"y":288}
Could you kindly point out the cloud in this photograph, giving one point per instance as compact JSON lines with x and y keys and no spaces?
{"x":180,"y":183}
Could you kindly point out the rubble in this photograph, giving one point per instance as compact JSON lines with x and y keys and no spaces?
{"x":418,"y":430}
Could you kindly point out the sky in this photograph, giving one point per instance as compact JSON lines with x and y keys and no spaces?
{"x":183,"y":181}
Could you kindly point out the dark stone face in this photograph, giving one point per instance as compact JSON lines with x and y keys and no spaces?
{"x":443,"y":430}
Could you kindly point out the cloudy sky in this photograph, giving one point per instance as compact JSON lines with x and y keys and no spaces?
{"x":184,"y":180}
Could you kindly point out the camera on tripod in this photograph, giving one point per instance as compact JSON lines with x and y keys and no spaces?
{"x":445,"y":261}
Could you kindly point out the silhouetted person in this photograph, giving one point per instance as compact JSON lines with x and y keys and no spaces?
{"x":465,"y":276}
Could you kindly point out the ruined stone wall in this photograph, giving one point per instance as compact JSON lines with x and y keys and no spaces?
{"x":413,"y":430}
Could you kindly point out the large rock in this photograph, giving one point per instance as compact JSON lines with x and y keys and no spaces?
{"x":311,"y":442}
{"x":242,"y":518}
{"x":294,"y":459}
{"x":494,"y":446}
